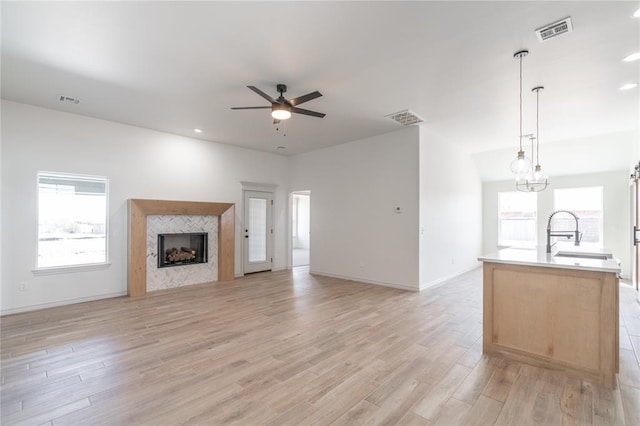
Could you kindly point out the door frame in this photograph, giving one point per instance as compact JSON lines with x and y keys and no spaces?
{"x":634,"y":196}
{"x":255,"y":187}
{"x":290,"y":226}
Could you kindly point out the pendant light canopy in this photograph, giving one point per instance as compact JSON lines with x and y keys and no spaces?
{"x":521,"y":165}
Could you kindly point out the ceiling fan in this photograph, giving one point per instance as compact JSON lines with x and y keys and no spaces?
{"x":282,"y":108}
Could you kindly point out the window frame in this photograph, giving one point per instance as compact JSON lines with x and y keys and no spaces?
{"x":80,"y":267}
{"x":531,"y":244}
{"x":600,"y":242}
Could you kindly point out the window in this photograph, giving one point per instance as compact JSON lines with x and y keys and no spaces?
{"x":72,"y":220}
{"x":517,"y":213}
{"x":586,"y":203}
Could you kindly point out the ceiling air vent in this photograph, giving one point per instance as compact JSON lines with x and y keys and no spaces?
{"x":406,"y":117}
{"x":68,"y":100}
{"x":558,"y":28}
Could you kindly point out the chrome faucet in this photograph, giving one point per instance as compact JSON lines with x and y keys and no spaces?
{"x":577,"y":235}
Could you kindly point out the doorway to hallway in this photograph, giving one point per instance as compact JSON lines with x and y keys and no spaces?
{"x":300,"y":228}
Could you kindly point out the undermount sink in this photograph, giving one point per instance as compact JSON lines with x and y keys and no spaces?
{"x":595,"y":256}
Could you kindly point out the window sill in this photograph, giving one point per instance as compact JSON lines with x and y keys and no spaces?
{"x":70,"y":269}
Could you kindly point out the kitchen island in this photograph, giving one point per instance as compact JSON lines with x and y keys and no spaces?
{"x":557,"y":310}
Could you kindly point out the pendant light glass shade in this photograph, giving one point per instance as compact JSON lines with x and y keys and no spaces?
{"x":523,"y":180}
{"x":521,"y":164}
{"x":535,"y":180}
{"x":538,"y":176}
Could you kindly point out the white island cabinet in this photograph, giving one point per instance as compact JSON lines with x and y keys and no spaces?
{"x":558,"y":310}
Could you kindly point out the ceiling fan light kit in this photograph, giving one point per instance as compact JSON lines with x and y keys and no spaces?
{"x":280,"y":112}
{"x":281,"y":108}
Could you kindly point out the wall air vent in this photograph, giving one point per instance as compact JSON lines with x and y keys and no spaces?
{"x":68,"y":100}
{"x":406,"y":117}
{"x":558,"y":28}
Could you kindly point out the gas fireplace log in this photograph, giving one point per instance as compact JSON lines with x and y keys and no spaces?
{"x":179,"y":256}
{"x":175,"y":255}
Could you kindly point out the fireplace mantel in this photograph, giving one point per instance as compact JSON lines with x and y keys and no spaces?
{"x":137,"y":257}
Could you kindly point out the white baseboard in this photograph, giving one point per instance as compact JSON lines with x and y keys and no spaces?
{"x":11,"y":311}
{"x":447,"y":278}
{"x":361,"y":280}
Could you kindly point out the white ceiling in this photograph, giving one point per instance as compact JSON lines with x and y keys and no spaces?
{"x":175,"y":66}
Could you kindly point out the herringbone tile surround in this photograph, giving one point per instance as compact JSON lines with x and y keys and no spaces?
{"x":163,"y":278}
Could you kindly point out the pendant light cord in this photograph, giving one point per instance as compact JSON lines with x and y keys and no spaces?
{"x":532,"y":138}
{"x":537,"y":127}
{"x":520,"y":102}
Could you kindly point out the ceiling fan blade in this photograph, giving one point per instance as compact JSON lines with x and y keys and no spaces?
{"x":304,"y":98}
{"x":261,"y":93}
{"x":260,"y":107}
{"x":307,"y":112}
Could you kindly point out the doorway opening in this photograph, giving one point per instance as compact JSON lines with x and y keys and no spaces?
{"x":300,"y":228}
{"x":634,"y":194}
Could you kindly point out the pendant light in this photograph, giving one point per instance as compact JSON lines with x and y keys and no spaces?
{"x":523,"y":179}
{"x":538,"y":180}
{"x":521,"y":165}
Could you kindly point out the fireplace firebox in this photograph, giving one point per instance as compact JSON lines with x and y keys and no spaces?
{"x":182,"y":249}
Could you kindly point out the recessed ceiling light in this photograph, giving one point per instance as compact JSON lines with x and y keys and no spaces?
{"x":628,"y":86}
{"x":637,"y":14}
{"x":197,"y":130}
{"x":632,"y":57}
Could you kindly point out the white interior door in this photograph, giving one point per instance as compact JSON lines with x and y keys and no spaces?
{"x":258,"y":231}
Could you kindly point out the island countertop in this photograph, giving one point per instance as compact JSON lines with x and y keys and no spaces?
{"x":539,"y":257}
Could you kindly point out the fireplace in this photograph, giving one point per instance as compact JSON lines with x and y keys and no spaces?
{"x":182,"y":249}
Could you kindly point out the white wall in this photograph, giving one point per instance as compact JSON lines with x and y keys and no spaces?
{"x":355,"y":187}
{"x":616,"y":210}
{"x":594,"y":154}
{"x":139,"y":163}
{"x":450,"y":211}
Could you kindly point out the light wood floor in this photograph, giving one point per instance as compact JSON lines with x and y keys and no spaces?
{"x":290,"y":348}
